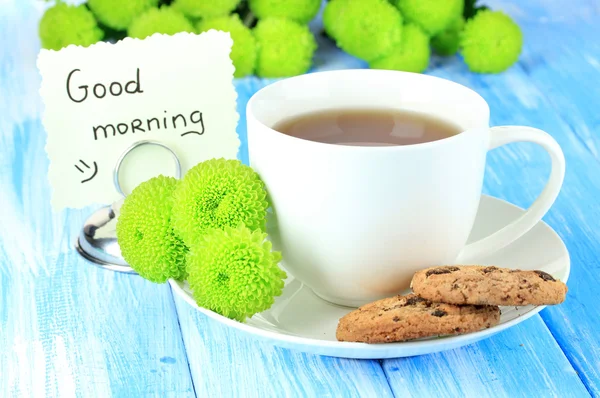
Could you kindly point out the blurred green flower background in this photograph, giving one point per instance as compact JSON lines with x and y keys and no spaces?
{"x":272,"y":37}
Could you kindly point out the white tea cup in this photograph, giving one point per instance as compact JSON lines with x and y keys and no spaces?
{"x":355,"y":222}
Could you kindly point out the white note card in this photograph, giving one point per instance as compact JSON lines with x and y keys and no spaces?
{"x":100,"y":100}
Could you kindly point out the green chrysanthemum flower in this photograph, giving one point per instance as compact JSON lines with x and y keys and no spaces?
{"x":118,"y":14}
{"x":301,"y":11}
{"x":243,"y":52}
{"x":411,"y":55}
{"x":64,"y":24}
{"x":448,"y":42}
{"x":234,"y":272}
{"x":367,"y":29}
{"x":433,"y":16}
{"x":163,"y":20}
{"x":205,"y":8}
{"x":218,"y":193}
{"x":285,"y":48}
{"x":145,"y":234}
{"x":491,"y":42}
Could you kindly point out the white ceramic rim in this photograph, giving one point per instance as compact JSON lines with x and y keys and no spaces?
{"x":250,"y":114}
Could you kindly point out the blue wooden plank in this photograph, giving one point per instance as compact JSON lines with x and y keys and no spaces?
{"x":566,"y":68}
{"x":226,"y":363}
{"x":496,"y":367}
{"x":80,"y":331}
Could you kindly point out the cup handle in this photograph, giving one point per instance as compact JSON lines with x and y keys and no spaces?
{"x":504,"y":135}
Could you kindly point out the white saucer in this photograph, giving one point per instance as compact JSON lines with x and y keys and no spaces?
{"x":300,"y":320}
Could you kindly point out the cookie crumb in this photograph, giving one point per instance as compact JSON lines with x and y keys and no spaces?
{"x":545,"y":276}
{"x":414,"y":300}
{"x":441,"y":271}
{"x":487,"y":270}
{"x":439,"y":313}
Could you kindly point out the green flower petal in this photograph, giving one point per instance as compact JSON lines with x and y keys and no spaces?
{"x":218,"y":193}
{"x":367,"y":29}
{"x":285,"y":48}
{"x":118,"y":14}
{"x":491,"y":42}
{"x":433,"y":16}
{"x":62,"y":25}
{"x":205,"y":8}
{"x":233,"y":272}
{"x":410,"y":55}
{"x":301,"y":11}
{"x":164,"y":20}
{"x":145,"y":234}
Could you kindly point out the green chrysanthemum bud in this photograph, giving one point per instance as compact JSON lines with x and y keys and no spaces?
{"x":433,"y":16}
{"x":367,"y":29}
{"x":218,"y":193}
{"x":234,"y":272}
{"x":119,"y":14}
{"x":448,"y":42}
{"x":491,"y":42}
{"x":285,"y":48}
{"x":301,"y":11}
{"x":64,"y":24}
{"x":163,"y":20}
{"x":145,"y":233}
{"x":411,"y":55}
{"x":205,"y":8}
{"x":243,"y":53}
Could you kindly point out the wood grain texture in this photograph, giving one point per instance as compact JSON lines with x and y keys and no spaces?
{"x":79,"y":331}
{"x":69,"y":329}
{"x":565,"y":66}
{"x":226,"y":363}
{"x":544,"y":11}
{"x":523,"y":361}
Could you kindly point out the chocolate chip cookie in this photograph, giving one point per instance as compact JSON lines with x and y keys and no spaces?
{"x":480,"y":285}
{"x":410,"y":317}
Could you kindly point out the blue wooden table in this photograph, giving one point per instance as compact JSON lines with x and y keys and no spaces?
{"x":70,"y":329}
